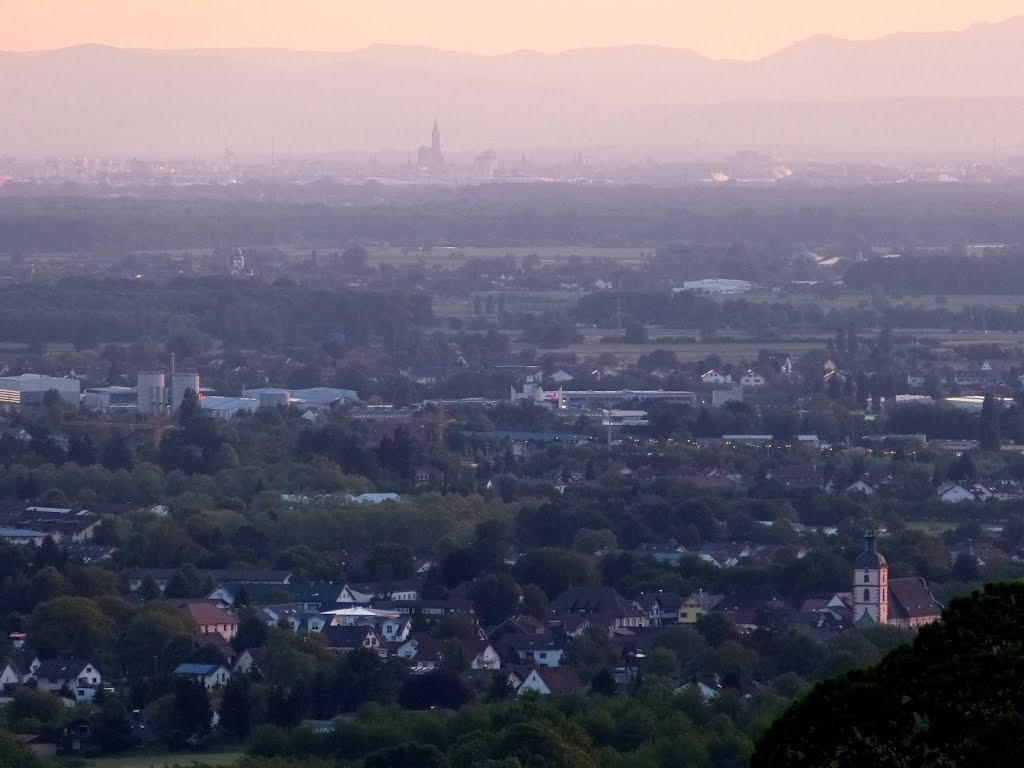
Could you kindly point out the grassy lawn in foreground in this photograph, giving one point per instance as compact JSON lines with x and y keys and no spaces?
{"x":163,"y":760}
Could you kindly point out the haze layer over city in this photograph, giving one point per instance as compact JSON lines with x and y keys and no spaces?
{"x":500,"y":385}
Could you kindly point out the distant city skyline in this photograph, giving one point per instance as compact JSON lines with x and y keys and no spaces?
{"x":742,"y":29}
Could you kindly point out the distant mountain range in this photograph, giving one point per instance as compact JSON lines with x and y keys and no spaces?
{"x":906,"y":91}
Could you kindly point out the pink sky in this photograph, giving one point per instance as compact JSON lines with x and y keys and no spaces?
{"x":720,"y":28}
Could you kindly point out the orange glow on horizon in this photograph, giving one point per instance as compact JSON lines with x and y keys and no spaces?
{"x":743,"y":29}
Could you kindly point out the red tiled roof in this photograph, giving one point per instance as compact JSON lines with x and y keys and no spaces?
{"x":560,"y":679}
{"x":205,"y":614}
{"x":912,"y":598}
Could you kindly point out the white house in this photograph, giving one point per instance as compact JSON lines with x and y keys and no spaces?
{"x":82,"y":678}
{"x":9,"y":675}
{"x":551,"y":680}
{"x":210,"y":675}
{"x":248,"y":661}
{"x":714,"y":377}
{"x":752,"y":379}
{"x":560,"y":377}
{"x":395,"y":629}
{"x":544,"y":650}
{"x":363,"y":594}
{"x":860,"y":487}
{"x":483,"y":655}
{"x":954,"y":493}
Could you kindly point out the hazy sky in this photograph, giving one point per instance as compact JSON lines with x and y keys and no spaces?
{"x":720,"y":28}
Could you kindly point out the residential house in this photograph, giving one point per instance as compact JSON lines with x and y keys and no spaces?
{"x":393,"y":630}
{"x":249,"y":661}
{"x":365,"y":594}
{"x":560,"y":377}
{"x":299,"y":616}
{"x":218,"y":576}
{"x":696,"y":605}
{"x":602,"y":605}
{"x":954,"y":493}
{"x":348,"y":638}
{"x":743,"y":607}
{"x":82,"y":678}
{"x":429,"y":610}
{"x":725,"y":555}
{"x":544,"y":650}
{"x":551,"y":681}
{"x":714,"y":377}
{"x":232,"y":593}
{"x":828,"y":612}
{"x":210,"y":675}
{"x":520,"y":624}
{"x":208,"y":619}
{"x":424,"y":651}
{"x":709,"y":687}
{"x":752,"y":379}
{"x":661,"y":607}
{"x":481,"y":654}
{"x":427,"y":476}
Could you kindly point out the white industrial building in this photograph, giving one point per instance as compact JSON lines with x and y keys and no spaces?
{"x":716,"y":285}
{"x":152,"y":393}
{"x":159,"y":393}
{"x":30,"y":388}
{"x":111,"y":398}
{"x":315,"y":398}
{"x":226,"y":407}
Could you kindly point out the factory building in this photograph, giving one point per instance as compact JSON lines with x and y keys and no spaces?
{"x":314,"y":398}
{"x":152,"y":393}
{"x":30,"y":388}
{"x":111,"y":398}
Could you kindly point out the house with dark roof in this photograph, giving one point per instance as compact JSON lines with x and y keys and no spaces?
{"x":81,"y":677}
{"x":661,"y":607}
{"x":429,"y":610}
{"x":161,"y":576}
{"x":520,"y":624}
{"x":911,"y":603}
{"x":551,"y":681}
{"x":598,"y":605}
{"x":744,"y":606}
{"x":210,"y":675}
{"x":367,"y":593}
{"x":348,"y":638}
{"x":89,"y":553}
{"x":64,"y":526}
{"x":425,"y":652}
{"x":249,"y":661}
{"x":301,"y":617}
{"x":544,"y":650}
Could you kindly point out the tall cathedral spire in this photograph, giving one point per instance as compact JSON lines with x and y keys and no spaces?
{"x":435,"y":144}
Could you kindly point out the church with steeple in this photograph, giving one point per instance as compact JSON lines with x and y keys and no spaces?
{"x":432,"y":157}
{"x":877,"y":599}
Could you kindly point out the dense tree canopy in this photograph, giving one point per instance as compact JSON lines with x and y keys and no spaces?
{"x":952,"y":698}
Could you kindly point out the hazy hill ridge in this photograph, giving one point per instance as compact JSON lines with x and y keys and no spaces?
{"x":943,"y":89}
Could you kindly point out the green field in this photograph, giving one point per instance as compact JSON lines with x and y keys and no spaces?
{"x":164,"y":760}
